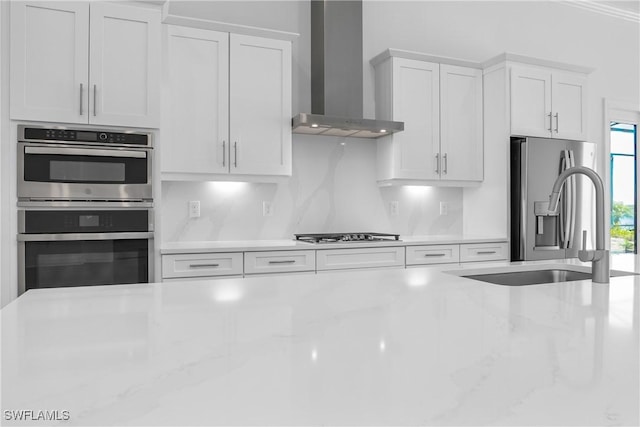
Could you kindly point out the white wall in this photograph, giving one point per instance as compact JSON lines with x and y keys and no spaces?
{"x":8,"y":281}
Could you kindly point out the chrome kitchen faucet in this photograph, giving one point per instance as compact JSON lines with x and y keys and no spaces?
{"x":600,"y":256}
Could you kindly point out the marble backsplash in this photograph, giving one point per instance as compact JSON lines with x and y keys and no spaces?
{"x":332,"y":189}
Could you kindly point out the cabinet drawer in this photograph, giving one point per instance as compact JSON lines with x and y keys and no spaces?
{"x":279,"y":261}
{"x":337,"y":259}
{"x":483,"y":252}
{"x":202,"y":265}
{"x":433,"y":254}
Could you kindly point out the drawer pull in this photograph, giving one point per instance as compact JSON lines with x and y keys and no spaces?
{"x":434,"y":255}
{"x":287,"y":261}
{"x":486,"y":252}
{"x":203,"y":265}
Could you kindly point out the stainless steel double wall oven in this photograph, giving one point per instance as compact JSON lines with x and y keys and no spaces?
{"x":85,"y":207}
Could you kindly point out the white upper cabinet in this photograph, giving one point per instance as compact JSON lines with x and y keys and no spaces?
{"x":196,"y":123}
{"x":227,"y":105}
{"x":569,"y":102}
{"x":441,"y":107}
{"x":81,"y":62}
{"x":260,"y":105}
{"x":461,"y":144}
{"x":124,"y":70}
{"x":548,"y":103}
{"x":49,"y":57}
{"x":414,"y":100}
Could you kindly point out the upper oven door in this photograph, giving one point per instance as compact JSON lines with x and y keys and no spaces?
{"x":73,"y":172}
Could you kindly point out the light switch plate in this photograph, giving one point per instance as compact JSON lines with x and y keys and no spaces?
{"x":267,"y":208}
{"x":444,"y":208}
{"x":394,"y":208}
{"x":194,"y":209}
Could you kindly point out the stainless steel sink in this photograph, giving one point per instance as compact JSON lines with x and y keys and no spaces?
{"x":537,"y":277}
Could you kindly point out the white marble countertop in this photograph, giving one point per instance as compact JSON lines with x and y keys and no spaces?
{"x":291,"y":244}
{"x":416,"y":346}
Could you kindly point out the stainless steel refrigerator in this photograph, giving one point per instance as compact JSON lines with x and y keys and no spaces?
{"x":535,"y":164}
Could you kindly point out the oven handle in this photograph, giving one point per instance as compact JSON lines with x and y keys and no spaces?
{"x":83,"y":236}
{"x":85,"y":152}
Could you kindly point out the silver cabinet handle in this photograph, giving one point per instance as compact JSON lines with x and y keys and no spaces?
{"x":557,"y":122}
{"x":286,"y":261}
{"x":224,"y":152}
{"x":486,"y":252}
{"x":94,"y":100}
{"x":438,"y":163}
{"x":550,"y":124}
{"x":434,"y":255}
{"x":235,"y":154}
{"x":203,"y":265}
{"x":444,"y":170}
{"x":81,"y":92}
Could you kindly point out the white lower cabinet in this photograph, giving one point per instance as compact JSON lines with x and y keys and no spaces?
{"x":202,"y":265}
{"x":253,"y":263}
{"x":279,"y":262}
{"x":471,"y":252}
{"x":433,"y":254}
{"x":339,"y":259}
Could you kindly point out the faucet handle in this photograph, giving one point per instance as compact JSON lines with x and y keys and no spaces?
{"x":584,"y":255}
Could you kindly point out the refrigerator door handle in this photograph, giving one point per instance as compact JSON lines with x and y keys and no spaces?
{"x":569,"y":186}
{"x":574,"y":196}
{"x":562,"y":213}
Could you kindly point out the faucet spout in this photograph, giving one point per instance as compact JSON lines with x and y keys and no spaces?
{"x":600,"y":256}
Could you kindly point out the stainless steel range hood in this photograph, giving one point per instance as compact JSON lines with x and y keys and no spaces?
{"x":336,"y":75}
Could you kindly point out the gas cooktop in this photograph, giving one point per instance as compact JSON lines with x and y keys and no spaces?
{"x":346,"y":237}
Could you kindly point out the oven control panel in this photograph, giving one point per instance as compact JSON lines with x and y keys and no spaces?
{"x":44,"y":134}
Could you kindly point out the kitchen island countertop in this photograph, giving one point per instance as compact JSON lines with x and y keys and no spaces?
{"x":415,"y":346}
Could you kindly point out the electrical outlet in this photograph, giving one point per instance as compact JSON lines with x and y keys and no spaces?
{"x":267,"y":208}
{"x":194,"y":209}
{"x":444,"y":208}
{"x":394,"y":208}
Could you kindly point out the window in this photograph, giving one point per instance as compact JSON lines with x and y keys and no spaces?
{"x":623,"y":187}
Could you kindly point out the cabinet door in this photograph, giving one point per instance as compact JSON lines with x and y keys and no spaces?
{"x":461,"y":145}
{"x":260,"y":105}
{"x":340,"y":259}
{"x":279,"y":262}
{"x":124,"y":65}
{"x":416,"y":102}
{"x":432,"y":254}
{"x":530,"y":102}
{"x":202,"y":265}
{"x":197,"y":101}
{"x":49,"y":57}
{"x":569,"y":101}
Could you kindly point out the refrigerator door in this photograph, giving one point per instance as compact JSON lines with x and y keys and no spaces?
{"x":536,"y":163}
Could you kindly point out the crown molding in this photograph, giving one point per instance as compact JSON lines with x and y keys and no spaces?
{"x":604,"y":9}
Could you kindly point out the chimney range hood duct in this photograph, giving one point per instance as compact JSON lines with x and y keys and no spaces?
{"x":336,"y":75}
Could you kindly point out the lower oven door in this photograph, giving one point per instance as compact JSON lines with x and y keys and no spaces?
{"x":83,"y":259}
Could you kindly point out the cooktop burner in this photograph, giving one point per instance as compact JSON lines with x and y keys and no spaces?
{"x":346,"y":237}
